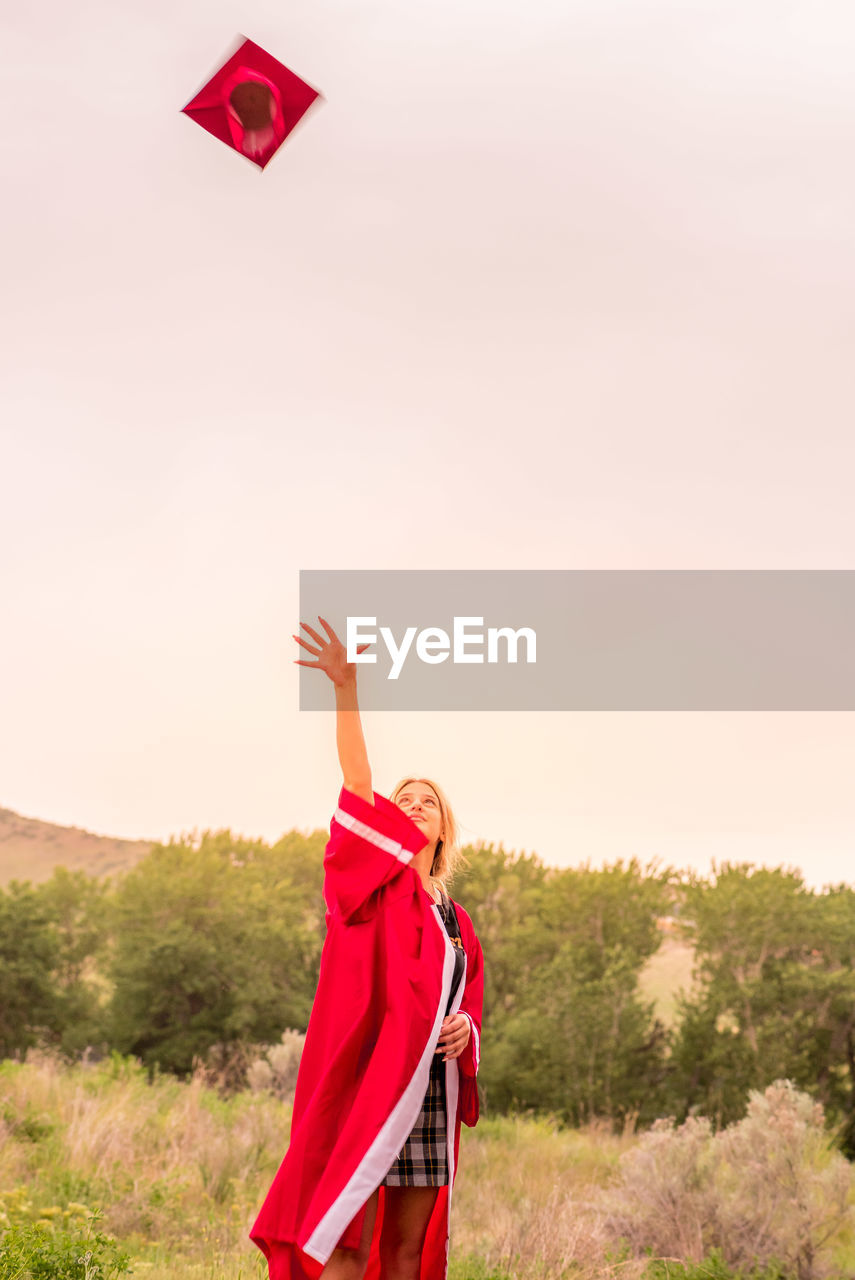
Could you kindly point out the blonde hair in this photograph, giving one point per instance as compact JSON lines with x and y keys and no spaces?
{"x":448,"y":857}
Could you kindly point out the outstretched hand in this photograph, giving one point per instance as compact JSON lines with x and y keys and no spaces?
{"x":330,"y":654}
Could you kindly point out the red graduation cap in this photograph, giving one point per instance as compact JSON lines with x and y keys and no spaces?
{"x":252,"y":103}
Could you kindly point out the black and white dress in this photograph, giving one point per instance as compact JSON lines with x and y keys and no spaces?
{"x":423,"y":1159}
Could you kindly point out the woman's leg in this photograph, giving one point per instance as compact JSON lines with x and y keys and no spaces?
{"x":405,"y":1218}
{"x":350,"y":1264}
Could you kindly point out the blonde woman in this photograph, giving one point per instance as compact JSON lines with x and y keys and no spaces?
{"x":389,"y":1066}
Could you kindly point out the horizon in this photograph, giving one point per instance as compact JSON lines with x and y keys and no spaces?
{"x":476,"y":844}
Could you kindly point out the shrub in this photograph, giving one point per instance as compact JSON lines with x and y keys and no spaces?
{"x":782,"y":1188}
{"x":55,"y":1243}
{"x":277,"y":1069}
{"x":663,"y":1202}
{"x":768,"y":1192}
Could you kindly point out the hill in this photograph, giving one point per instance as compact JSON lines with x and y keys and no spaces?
{"x":667,"y":972}
{"x":30,"y":849}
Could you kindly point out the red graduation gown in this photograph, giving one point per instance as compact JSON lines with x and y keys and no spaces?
{"x":385,"y":978}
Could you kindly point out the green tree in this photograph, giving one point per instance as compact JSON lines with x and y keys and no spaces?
{"x":502,"y":892}
{"x":582,"y":1046}
{"x":77,"y":906}
{"x":775,"y":996}
{"x":29,"y":949}
{"x":574,"y":1036}
{"x":215,"y":942}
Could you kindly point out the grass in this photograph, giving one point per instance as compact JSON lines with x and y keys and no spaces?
{"x":667,"y":972}
{"x":180,"y":1172}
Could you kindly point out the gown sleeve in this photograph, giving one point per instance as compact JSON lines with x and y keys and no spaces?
{"x":369,"y":847}
{"x":471,"y":1005}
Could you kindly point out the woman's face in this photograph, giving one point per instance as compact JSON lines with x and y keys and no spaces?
{"x":421,"y":805}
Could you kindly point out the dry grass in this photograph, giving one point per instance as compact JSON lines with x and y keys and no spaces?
{"x":528,"y":1199}
{"x":665,"y":975}
{"x":172,"y":1166}
{"x":180,"y":1173}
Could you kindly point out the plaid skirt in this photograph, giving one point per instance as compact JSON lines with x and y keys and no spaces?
{"x":423,"y":1159}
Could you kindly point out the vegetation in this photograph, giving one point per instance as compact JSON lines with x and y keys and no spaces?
{"x":775,"y":995}
{"x":210,"y":946}
{"x":110,"y":1160}
{"x":157,"y":1020}
{"x":55,"y":1243}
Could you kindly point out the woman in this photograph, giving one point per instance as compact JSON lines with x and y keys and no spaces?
{"x":389,"y":1066}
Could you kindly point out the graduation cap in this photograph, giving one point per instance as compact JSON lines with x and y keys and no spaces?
{"x":252,"y":103}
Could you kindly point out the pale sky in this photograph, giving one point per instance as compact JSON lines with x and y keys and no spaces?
{"x":554,"y":285}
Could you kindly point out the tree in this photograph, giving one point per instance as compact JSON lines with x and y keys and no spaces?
{"x":776,"y":992}
{"x":215,"y":942}
{"x":29,"y":949}
{"x":574,"y":1037}
{"x":502,"y":892}
{"x":77,"y":906}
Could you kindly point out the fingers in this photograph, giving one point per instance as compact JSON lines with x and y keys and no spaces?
{"x":332,"y":638}
{"x":454,"y":1019}
{"x":453,"y":1046}
{"x":318,"y":639}
{"x":455,"y":1041}
{"x":308,"y":647}
{"x":454,"y":1035}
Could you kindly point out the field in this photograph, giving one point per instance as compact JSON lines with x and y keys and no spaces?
{"x":179,"y":1173}
{"x":666,"y":974}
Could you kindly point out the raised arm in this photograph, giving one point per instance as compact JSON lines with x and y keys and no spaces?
{"x":350,"y":740}
{"x":331,"y":658}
